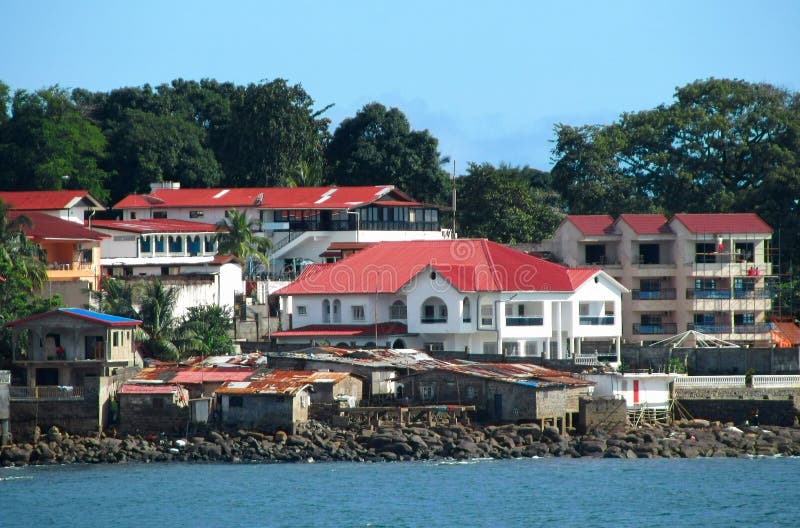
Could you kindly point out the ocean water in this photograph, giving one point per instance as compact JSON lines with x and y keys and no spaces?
{"x":496,"y":493}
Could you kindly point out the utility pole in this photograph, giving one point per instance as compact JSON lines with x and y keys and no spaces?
{"x":453,"y":233}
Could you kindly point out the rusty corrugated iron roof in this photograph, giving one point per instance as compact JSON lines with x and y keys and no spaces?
{"x":514,"y":373}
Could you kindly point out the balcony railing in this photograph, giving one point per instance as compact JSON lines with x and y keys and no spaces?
{"x":5,"y":377}
{"x":433,"y":320}
{"x":45,"y":393}
{"x":667,"y":294}
{"x":650,"y":329}
{"x":709,"y":329}
{"x":398,"y":312}
{"x":761,"y":293}
{"x":597,"y":320}
{"x":707,"y":294}
{"x":751,"y":329}
{"x":524,"y":321}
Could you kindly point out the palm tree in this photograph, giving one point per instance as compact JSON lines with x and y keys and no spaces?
{"x":205,"y":331}
{"x":17,"y":251}
{"x":156,"y":311}
{"x":116,"y":297}
{"x":235,"y":236}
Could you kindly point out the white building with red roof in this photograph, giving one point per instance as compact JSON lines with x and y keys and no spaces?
{"x":301,"y":221}
{"x":706,"y":272}
{"x":74,"y":206}
{"x":461,"y":295}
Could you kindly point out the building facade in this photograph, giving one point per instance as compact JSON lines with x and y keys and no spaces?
{"x":707,"y":272}
{"x":459,"y":295}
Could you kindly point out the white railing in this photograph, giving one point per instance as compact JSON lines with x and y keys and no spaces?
{"x":587,"y":361}
{"x":5,"y":377}
{"x":776,"y":381}
{"x":698,"y":382}
{"x":46,"y":393}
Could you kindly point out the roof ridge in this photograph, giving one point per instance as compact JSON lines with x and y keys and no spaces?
{"x":485,"y":246}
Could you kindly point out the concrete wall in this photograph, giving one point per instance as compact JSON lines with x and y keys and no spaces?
{"x":608,"y":414}
{"x":266,"y":412}
{"x":138,"y":414}
{"x":715,"y":361}
{"x":775,"y":406}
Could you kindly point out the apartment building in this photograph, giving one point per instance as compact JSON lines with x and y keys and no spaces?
{"x":706,"y":272}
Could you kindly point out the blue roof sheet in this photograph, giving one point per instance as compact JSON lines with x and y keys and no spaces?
{"x":97,"y":316}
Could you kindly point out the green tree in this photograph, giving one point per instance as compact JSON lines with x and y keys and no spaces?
{"x":236,"y":236}
{"x":377,"y":146}
{"x":156,"y":311}
{"x":505,"y":204}
{"x":23,"y":274}
{"x":48,"y":144}
{"x":117,"y":297}
{"x":272,"y":129}
{"x":148,"y":147}
{"x":205,"y":330}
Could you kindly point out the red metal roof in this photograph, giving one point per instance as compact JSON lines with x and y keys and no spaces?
{"x":468,"y":264}
{"x":46,"y":200}
{"x":144,"y":388}
{"x":646,"y":224}
{"x":156,"y":225}
{"x":591,"y":224}
{"x":723,"y":223}
{"x":265,"y":197}
{"x":48,"y":227}
{"x":383,"y":329}
{"x":193,"y":375}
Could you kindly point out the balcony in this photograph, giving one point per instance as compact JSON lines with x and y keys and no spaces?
{"x":761,"y":293}
{"x":752,"y":329}
{"x":48,"y":392}
{"x":707,"y":294}
{"x":524,"y":321}
{"x":666,"y":294}
{"x":710,"y":328}
{"x":652,"y":329}
{"x":597,"y":320}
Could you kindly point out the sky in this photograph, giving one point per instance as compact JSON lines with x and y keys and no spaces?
{"x":489,"y":80}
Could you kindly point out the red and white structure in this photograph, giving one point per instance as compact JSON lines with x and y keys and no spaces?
{"x":462,"y":295}
{"x":302,"y":222}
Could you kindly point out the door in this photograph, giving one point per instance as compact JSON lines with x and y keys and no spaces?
{"x":635,"y":392}
{"x":498,"y":406}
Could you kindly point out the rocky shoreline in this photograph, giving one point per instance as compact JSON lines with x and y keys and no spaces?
{"x":321,"y":443}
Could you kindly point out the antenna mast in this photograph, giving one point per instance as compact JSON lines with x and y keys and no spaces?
{"x":453,"y":233}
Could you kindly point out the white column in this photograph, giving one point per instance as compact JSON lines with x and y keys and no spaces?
{"x":521,"y":347}
{"x":619,"y":349}
{"x":546,"y":351}
{"x":578,"y":351}
{"x":559,"y":340}
{"x":572,"y":346}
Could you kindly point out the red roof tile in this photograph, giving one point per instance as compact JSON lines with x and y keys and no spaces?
{"x":48,"y":227}
{"x":723,"y":223}
{"x":155,"y":225}
{"x":264,"y":197}
{"x":383,"y":329}
{"x":46,"y":200}
{"x":468,"y":264}
{"x":646,"y":224}
{"x":591,"y":224}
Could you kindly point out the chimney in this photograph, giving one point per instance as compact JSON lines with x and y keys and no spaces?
{"x":164,"y":185}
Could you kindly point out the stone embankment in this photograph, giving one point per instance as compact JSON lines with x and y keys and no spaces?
{"x":318,"y":442}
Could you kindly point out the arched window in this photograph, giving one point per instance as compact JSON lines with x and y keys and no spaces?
{"x":337,"y":311}
{"x":397,"y":310}
{"x":398,"y":343}
{"x":466,"y":310}
{"x":326,"y":311}
{"x":434,"y":310}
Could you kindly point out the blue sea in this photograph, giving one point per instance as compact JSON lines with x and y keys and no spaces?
{"x":496,"y":493}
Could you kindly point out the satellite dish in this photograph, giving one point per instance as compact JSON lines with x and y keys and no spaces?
{"x":259,"y":198}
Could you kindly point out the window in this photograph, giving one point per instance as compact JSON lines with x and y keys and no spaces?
{"x":115,"y":338}
{"x":487,"y":315}
{"x":470,"y":392}
{"x":466,"y":311}
{"x":133,"y":215}
{"x":398,"y":310}
{"x":358,"y":312}
{"x":651,"y":319}
{"x":426,"y":392}
{"x":744,"y":319}
{"x":489,"y":347}
{"x":235,"y":401}
{"x":145,"y":245}
{"x":434,"y":310}
{"x":301,"y":309}
{"x":337,"y":311}
{"x":175,"y":244}
{"x":595,"y":254}
{"x":650,"y":285}
{"x":744,"y":251}
{"x":649,"y":254}
{"x":159,"y":214}
{"x":159,"y":243}
{"x":510,"y":349}
{"x":326,"y":311}
{"x":434,"y":347}
{"x":705,"y":253}
{"x":196,"y":214}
